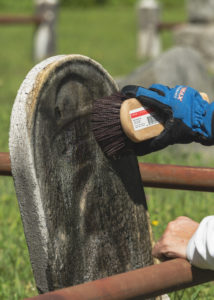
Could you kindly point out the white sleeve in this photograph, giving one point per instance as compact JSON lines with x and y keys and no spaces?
{"x":200,"y":249}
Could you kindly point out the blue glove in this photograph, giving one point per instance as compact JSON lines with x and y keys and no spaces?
{"x":187,"y":118}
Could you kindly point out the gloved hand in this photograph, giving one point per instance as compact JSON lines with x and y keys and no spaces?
{"x":188,"y":117}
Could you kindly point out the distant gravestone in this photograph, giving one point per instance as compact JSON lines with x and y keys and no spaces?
{"x":198,"y":33}
{"x":45,"y":34}
{"x":200,"y":10}
{"x":200,"y":37}
{"x":84,"y":215}
{"x":178,"y":65}
{"x":148,"y":39}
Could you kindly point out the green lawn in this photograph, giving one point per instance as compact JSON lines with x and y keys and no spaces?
{"x":109,"y":36}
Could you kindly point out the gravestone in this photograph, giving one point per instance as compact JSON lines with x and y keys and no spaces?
{"x":200,"y":10}
{"x":200,"y":37}
{"x":45,"y":34}
{"x":179,"y":65}
{"x":84,"y":215}
{"x":148,"y":38}
{"x":198,"y":33}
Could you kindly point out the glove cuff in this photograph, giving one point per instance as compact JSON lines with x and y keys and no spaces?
{"x":130,"y":91}
{"x":208,"y":121}
{"x":208,"y":127}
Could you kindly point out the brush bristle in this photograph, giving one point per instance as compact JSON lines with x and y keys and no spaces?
{"x":106,"y":123}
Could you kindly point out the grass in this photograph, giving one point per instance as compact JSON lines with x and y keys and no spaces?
{"x":109,"y":36}
{"x":115,"y":51}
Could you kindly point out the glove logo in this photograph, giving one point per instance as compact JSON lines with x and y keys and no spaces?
{"x":179,"y":93}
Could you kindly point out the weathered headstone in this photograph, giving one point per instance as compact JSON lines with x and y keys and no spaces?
{"x":200,"y":37}
{"x":84,"y":215}
{"x":178,"y":65}
{"x":148,"y":39}
{"x":45,"y":34}
{"x":198,"y":33}
{"x":200,"y":10}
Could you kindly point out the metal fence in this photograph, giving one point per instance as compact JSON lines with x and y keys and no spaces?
{"x":153,"y":280}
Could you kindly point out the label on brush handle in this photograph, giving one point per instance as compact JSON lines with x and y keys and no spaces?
{"x":142,"y":118}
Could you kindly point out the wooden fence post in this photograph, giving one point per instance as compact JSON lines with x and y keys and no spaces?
{"x":84,"y":216}
{"x":45,"y":34}
{"x":148,"y":39}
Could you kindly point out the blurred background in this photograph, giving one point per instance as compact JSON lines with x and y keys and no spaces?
{"x":110,"y":32}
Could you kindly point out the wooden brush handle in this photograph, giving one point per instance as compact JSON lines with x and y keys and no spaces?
{"x":135,"y":120}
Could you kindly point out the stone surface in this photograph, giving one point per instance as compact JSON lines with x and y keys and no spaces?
{"x":200,"y":10}
{"x":200,"y":37}
{"x":178,"y":65}
{"x":84,"y":215}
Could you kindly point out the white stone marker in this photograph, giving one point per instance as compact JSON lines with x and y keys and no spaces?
{"x":45,"y":34}
{"x":148,"y":39}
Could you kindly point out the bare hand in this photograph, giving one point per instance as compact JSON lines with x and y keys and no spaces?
{"x":173,"y":243}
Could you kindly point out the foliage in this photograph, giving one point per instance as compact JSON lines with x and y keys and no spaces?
{"x":83,"y":3}
{"x":11,"y":5}
{"x":27,"y":5}
{"x":165,"y":3}
{"x":172,"y":4}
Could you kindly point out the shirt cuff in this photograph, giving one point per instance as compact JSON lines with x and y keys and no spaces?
{"x":200,"y":249}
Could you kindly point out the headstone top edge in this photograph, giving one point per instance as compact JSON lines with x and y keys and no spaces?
{"x":55,"y":61}
{"x":150,"y":4}
{"x":49,"y":2}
